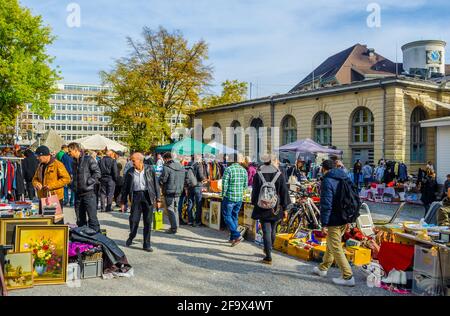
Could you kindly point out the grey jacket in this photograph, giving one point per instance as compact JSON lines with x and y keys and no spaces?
{"x":172,"y":178}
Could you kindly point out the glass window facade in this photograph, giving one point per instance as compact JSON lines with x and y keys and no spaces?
{"x":363,"y":128}
{"x":323,"y":129}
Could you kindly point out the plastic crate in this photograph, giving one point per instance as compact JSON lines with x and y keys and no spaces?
{"x":92,"y":269}
{"x":424,"y":285}
{"x":426,"y":261}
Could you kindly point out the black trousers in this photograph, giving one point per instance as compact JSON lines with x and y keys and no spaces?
{"x":107,"y":187}
{"x":269,"y":234}
{"x":30,"y":190}
{"x":86,"y":211}
{"x":141,"y":206}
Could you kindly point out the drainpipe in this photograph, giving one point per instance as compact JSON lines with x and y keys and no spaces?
{"x":383,"y":150}
{"x":272,"y":120}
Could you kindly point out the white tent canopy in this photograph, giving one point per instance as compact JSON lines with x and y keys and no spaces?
{"x":99,"y":142}
{"x":221,"y":148}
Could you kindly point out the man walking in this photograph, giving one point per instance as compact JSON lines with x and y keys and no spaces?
{"x":50,"y":177}
{"x":67,"y":161}
{"x":333,"y":224}
{"x":234,"y":184}
{"x":195,"y":193}
{"x":110,"y":175}
{"x":143,"y":188}
{"x":86,"y":174}
{"x":29,"y":165}
{"x":172,"y":183}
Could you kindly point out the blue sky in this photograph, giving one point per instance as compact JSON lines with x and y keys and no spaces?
{"x":271,"y":43}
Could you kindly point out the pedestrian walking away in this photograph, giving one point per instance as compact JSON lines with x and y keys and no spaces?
{"x":234,"y":184}
{"x":172,"y":184}
{"x":29,"y":165}
{"x":333,"y":224}
{"x":269,"y":185}
{"x":110,"y":175}
{"x":142,"y":187}
{"x":50,"y":177}
{"x":195,"y":193}
{"x":86,"y":175}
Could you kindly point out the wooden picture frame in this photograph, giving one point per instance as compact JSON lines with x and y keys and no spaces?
{"x":8,"y":227}
{"x":215,"y":215}
{"x":18,"y":270}
{"x":49,"y":246}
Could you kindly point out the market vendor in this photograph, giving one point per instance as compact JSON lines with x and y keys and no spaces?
{"x":444,"y":212}
{"x":50,"y":177}
{"x":298,"y":170}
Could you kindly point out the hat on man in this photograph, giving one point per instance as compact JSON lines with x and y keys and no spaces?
{"x":42,"y":151}
{"x":266,"y":158}
{"x":328,"y":164}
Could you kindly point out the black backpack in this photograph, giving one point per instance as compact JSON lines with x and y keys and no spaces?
{"x":347,"y":201}
{"x":190,"y":180}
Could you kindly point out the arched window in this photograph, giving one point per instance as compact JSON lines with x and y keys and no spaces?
{"x":363,"y":127}
{"x":237,"y":134}
{"x":417,"y":135}
{"x":257,"y":124}
{"x":216,"y":136}
{"x":323,"y":129}
{"x":289,"y":130}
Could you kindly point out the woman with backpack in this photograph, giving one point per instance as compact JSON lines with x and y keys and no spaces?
{"x":270,"y":198}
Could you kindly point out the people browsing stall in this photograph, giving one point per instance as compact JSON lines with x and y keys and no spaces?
{"x":270,"y":198}
{"x":446,"y":187}
{"x":298,"y":171}
{"x":172,"y":184}
{"x":63,"y":156}
{"x":110,"y":175}
{"x":29,"y":165}
{"x":50,"y":177}
{"x":428,"y":188}
{"x":86,"y":174}
{"x":333,"y":222}
{"x":142,"y":187}
{"x":367,"y":172}
{"x":234,"y":184}
{"x":195,"y":192}
{"x":443,"y":218}
{"x":251,"y":170}
{"x":357,"y":171}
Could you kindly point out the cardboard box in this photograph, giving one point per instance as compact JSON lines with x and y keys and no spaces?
{"x":359,"y":256}
{"x":299,"y":252}
{"x":282,"y":242}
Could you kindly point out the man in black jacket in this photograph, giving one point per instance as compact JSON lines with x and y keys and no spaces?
{"x":143,"y":188}
{"x":86,"y":174}
{"x":195,"y":193}
{"x":172,"y":183}
{"x":110,"y":175}
{"x":29,"y":166}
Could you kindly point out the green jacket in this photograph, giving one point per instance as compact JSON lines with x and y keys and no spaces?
{"x":60,"y":155}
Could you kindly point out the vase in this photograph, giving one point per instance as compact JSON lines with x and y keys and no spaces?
{"x":40,"y":269}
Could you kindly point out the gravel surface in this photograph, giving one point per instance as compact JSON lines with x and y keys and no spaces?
{"x":199,"y":261}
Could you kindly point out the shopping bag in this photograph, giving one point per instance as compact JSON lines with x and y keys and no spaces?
{"x":50,"y":203}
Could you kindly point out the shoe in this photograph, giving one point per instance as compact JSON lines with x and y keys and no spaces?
{"x":341,"y":281}
{"x":148,"y":249}
{"x":171,"y":231}
{"x":267,"y":261}
{"x":129,"y":242}
{"x":183,"y":223}
{"x":319,"y":272}
{"x":195,"y":225}
{"x":236,"y":242}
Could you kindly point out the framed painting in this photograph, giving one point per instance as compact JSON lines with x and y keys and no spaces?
{"x":48,"y":245}
{"x":8,"y":227}
{"x":206,"y":214}
{"x":215,"y":215}
{"x":18,"y":270}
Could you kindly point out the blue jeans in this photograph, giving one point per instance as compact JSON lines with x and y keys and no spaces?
{"x":230,"y":212}
{"x":66,"y":196}
{"x":195,"y":198}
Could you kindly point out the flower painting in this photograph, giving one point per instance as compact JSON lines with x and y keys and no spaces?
{"x":48,"y":246}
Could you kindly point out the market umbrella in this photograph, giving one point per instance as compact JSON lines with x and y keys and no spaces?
{"x":188,"y":146}
{"x":221,"y":148}
{"x":309,"y":146}
{"x":99,"y":142}
{"x":51,"y":139}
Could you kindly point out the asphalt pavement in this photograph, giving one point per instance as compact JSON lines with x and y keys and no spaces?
{"x":199,"y":261}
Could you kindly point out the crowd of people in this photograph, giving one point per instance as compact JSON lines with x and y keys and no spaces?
{"x":143,"y":183}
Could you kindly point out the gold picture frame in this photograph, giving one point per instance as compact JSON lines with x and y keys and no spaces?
{"x":18,"y":270}
{"x":49,"y":247}
{"x":8,"y":226}
{"x":215,"y":215}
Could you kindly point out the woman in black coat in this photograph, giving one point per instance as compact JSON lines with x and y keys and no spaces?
{"x":429,"y":187}
{"x":267,"y":217}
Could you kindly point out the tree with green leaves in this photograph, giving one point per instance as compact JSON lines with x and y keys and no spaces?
{"x":163,"y":75}
{"x":233,"y":91}
{"x":26,"y":74}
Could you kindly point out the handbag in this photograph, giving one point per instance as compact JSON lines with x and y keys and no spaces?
{"x":51,"y":205}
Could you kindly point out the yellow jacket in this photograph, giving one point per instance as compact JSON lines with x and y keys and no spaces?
{"x":55,"y":178}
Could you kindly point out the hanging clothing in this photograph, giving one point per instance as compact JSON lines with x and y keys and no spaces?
{"x":402,"y":172}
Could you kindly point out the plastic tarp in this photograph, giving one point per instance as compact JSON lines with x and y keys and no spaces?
{"x":222,"y":149}
{"x":51,"y":139}
{"x":187,"y":146}
{"x":99,"y":142}
{"x":309,"y":146}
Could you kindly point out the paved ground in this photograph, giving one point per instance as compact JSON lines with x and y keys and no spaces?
{"x":198,"y":261}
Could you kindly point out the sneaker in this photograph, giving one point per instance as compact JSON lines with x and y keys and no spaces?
{"x":343,"y":282}
{"x":148,"y":249}
{"x":267,"y":261}
{"x":236,"y":242}
{"x":319,"y":272}
{"x":171,"y":231}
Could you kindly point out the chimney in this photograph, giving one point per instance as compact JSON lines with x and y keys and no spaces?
{"x":371,"y":53}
